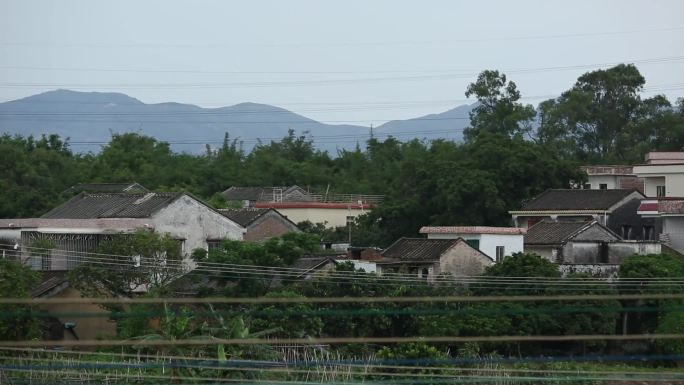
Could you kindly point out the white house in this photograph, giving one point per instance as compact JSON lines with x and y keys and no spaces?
{"x":84,"y":221}
{"x":495,"y":242}
{"x":611,"y":177}
{"x":663,"y":174}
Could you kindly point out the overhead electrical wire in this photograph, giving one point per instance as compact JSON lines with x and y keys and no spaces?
{"x":478,"y":39}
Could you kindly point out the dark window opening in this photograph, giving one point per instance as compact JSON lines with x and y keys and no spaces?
{"x":603,"y":252}
{"x":626,"y":232}
{"x":424,"y":273}
{"x":474,"y":243}
{"x":649,"y":233}
{"x":587,"y":186}
{"x":213,"y":244}
{"x":603,"y":186}
{"x":660,"y":191}
{"x":500,"y":253}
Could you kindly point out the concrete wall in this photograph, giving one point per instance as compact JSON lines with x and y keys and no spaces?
{"x":673,"y":229}
{"x":488,"y":242}
{"x":596,"y":270}
{"x":670,"y":175}
{"x":268,"y":226}
{"x":596,"y":180}
{"x":332,"y":217}
{"x":542,"y":251}
{"x":587,"y":252}
{"x":462,"y":260}
{"x":188,"y":219}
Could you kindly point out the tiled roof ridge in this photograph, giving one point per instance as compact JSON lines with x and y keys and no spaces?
{"x":502,"y":230}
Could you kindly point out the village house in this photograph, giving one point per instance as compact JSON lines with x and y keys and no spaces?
{"x":615,"y":209}
{"x":299,"y":205}
{"x":249,"y":196}
{"x":663,"y":175}
{"x":259,"y":224}
{"x":81,"y":223}
{"x":496,"y":242}
{"x":577,"y":242}
{"x":611,"y":177}
{"x":429,"y":258}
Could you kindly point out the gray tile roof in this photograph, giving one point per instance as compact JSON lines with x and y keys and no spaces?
{"x":418,"y":249}
{"x":244,"y":216}
{"x":112,"y":205}
{"x":548,"y":232}
{"x":567,"y":199}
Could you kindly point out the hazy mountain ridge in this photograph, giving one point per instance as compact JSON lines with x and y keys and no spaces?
{"x":94,"y":116}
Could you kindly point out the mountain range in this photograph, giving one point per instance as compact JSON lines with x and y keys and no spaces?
{"x":89,"y":119}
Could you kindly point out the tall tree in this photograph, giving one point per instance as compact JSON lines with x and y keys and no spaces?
{"x":498,"y":109}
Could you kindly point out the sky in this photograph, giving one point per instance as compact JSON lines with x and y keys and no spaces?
{"x":334,"y":61}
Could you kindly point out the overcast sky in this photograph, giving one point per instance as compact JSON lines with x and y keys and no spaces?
{"x":346,"y":60}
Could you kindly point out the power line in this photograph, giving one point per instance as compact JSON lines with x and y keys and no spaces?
{"x":333,"y":44}
{"x":292,"y":83}
{"x":346,"y":340}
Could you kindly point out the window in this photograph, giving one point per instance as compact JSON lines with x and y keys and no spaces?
{"x":603,"y":252}
{"x":424,"y":273}
{"x":626,"y":231}
{"x":500,"y":253}
{"x":587,"y":186}
{"x":603,"y":186}
{"x":213,"y":244}
{"x":649,"y":233}
{"x":660,"y":191}
{"x":474,"y":243}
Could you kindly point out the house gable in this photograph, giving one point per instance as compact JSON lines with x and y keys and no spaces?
{"x":194,"y":222}
{"x":461,"y":259}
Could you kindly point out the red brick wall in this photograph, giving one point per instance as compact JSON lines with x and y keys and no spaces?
{"x":269,"y":227}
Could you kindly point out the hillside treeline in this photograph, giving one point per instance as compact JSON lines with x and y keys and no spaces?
{"x":510,"y":152}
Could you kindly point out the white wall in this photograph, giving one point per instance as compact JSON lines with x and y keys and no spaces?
{"x":189,"y":219}
{"x":673,"y":228}
{"x":671,"y":174}
{"x":596,"y":180}
{"x":333,"y":217}
{"x":489,"y":242}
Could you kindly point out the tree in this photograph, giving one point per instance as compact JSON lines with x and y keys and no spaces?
{"x":602,"y":117}
{"x":146,"y":260}
{"x":640,"y":270}
{"x":17,"y":281}
{"x":498,"y":109}
{"x":34,"y":174}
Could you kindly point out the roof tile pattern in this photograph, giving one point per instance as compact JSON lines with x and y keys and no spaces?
{"x":567,"y":199}
{"x":418,"y":249}
{"x":112,"y":205}
{"x":244,"y":216}
{"x":549,"y":232}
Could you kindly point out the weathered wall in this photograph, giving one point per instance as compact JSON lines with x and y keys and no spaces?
{"x":87,"y":328}
{"x":596,"y":270}
{"x":268,"y":226}
{"x":542,"y":251}
{"x":461,"y":260}
{"x":597,"y":180}
{"x":194,"y":222}
{"x":585,"y":252}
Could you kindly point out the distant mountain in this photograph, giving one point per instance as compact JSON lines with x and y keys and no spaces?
{"x":89,"y":118}
{"x":448,"y":124}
